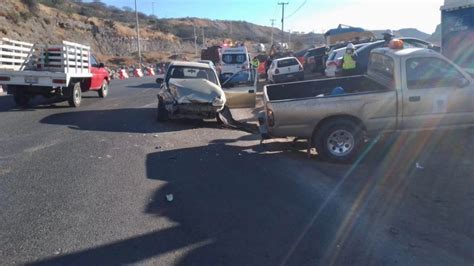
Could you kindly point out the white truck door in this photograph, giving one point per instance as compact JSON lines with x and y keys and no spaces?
{"x":435,"y":94}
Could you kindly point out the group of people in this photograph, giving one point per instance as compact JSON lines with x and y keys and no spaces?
{"x":349,"y":60}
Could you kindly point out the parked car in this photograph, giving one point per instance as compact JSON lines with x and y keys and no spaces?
{"x":333,"y":63}
{"x":404,"y":90}
{"x":285,"y":69}
{"x":364,"y":52}
{"x":209,"y":62}
{"x":314,"y":59}
{"x":300,"y":55}
{"x":193,"y":90}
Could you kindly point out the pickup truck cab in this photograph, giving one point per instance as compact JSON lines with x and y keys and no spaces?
{"x":404,"y":89}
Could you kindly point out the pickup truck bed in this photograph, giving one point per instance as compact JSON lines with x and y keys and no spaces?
{"x":315,"y":88}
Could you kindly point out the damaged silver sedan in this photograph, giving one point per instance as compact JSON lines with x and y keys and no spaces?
{"x":192,"y":90}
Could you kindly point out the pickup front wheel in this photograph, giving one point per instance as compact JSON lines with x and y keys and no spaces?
{"x":339,"y":140}
{"x":104,"y":90}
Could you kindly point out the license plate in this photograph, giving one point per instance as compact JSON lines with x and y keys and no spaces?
{"x":290,"y":75}
{"x":31,"y":80}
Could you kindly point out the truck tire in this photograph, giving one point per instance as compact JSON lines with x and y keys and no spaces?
{"x":339,"y":140}
{"x":75,"y":94}
{"x":104,"y":90}
{"x":161,"y":112}
{"x":20,"y":97}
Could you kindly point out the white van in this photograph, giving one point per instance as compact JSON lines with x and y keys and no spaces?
{"x":234,"y":60}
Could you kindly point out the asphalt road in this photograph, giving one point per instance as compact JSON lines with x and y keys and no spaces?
{"x":88,"y":186}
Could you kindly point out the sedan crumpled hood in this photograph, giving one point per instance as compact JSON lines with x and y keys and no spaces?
{"x":195,"y":91}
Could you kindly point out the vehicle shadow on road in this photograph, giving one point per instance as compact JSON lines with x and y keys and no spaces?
{"x":131,"y":120}
{"x":231,"y":207}
{"x":7,"y":104}
{"x":250,"y":205}
{"x":146,"y":86}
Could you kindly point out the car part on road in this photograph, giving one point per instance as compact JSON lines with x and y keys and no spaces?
{"x":226,"y":117}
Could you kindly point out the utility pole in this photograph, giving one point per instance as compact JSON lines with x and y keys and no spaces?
{"x":203,"y":38}
{"x":282,"y":19}
{"x":195,"y":41}
{"x":138,"y":37}
{"x":273,"y":22}
{"x":289,"y":40}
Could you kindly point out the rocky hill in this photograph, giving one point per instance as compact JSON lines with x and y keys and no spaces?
{"x":409,"y":32}
{"x":111,"y":32}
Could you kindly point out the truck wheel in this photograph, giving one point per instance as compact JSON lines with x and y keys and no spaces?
{"x":161,"y":112}
{"x":104,"y":90}
{"x":21,"y":99}
{"x":75,"y":94}
{"x":339,"y":141}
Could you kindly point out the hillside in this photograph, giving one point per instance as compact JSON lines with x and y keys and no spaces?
{"x":409,"y":32}
{"x":111,"y":33}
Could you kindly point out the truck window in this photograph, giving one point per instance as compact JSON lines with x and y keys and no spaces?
{"x":382,"y":65}
{"x":425,"y":73}
{"x":94,"y":61}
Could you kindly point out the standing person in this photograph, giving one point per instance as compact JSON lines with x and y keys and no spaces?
{"x":387,"y":37}
{"x":349,"y":61}
{"x":268,"y":62}
{"x":255,"y":63}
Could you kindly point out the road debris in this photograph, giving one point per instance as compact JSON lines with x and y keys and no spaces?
{"x":419,"y":166}
{"x":156,"y":136}
{"x":169,"y":197}
{"x":394,"y":231}
{"x":108,"y":156}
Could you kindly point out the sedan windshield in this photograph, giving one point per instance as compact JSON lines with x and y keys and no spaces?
{"x":184,"y":72}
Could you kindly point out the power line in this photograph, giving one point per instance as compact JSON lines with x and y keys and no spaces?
{"x":296,"y":10}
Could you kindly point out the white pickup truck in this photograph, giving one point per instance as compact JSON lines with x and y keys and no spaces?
{"x":61,"y":72}
{"x":405,"y":89}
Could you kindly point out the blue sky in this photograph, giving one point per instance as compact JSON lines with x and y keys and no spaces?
{"x":302,"y":15}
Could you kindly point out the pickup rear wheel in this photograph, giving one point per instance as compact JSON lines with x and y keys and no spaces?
{"x":104,"y":90}
{"x":339,"y":140}
{"x":21,"y":98}
{"x":75,"y":94}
